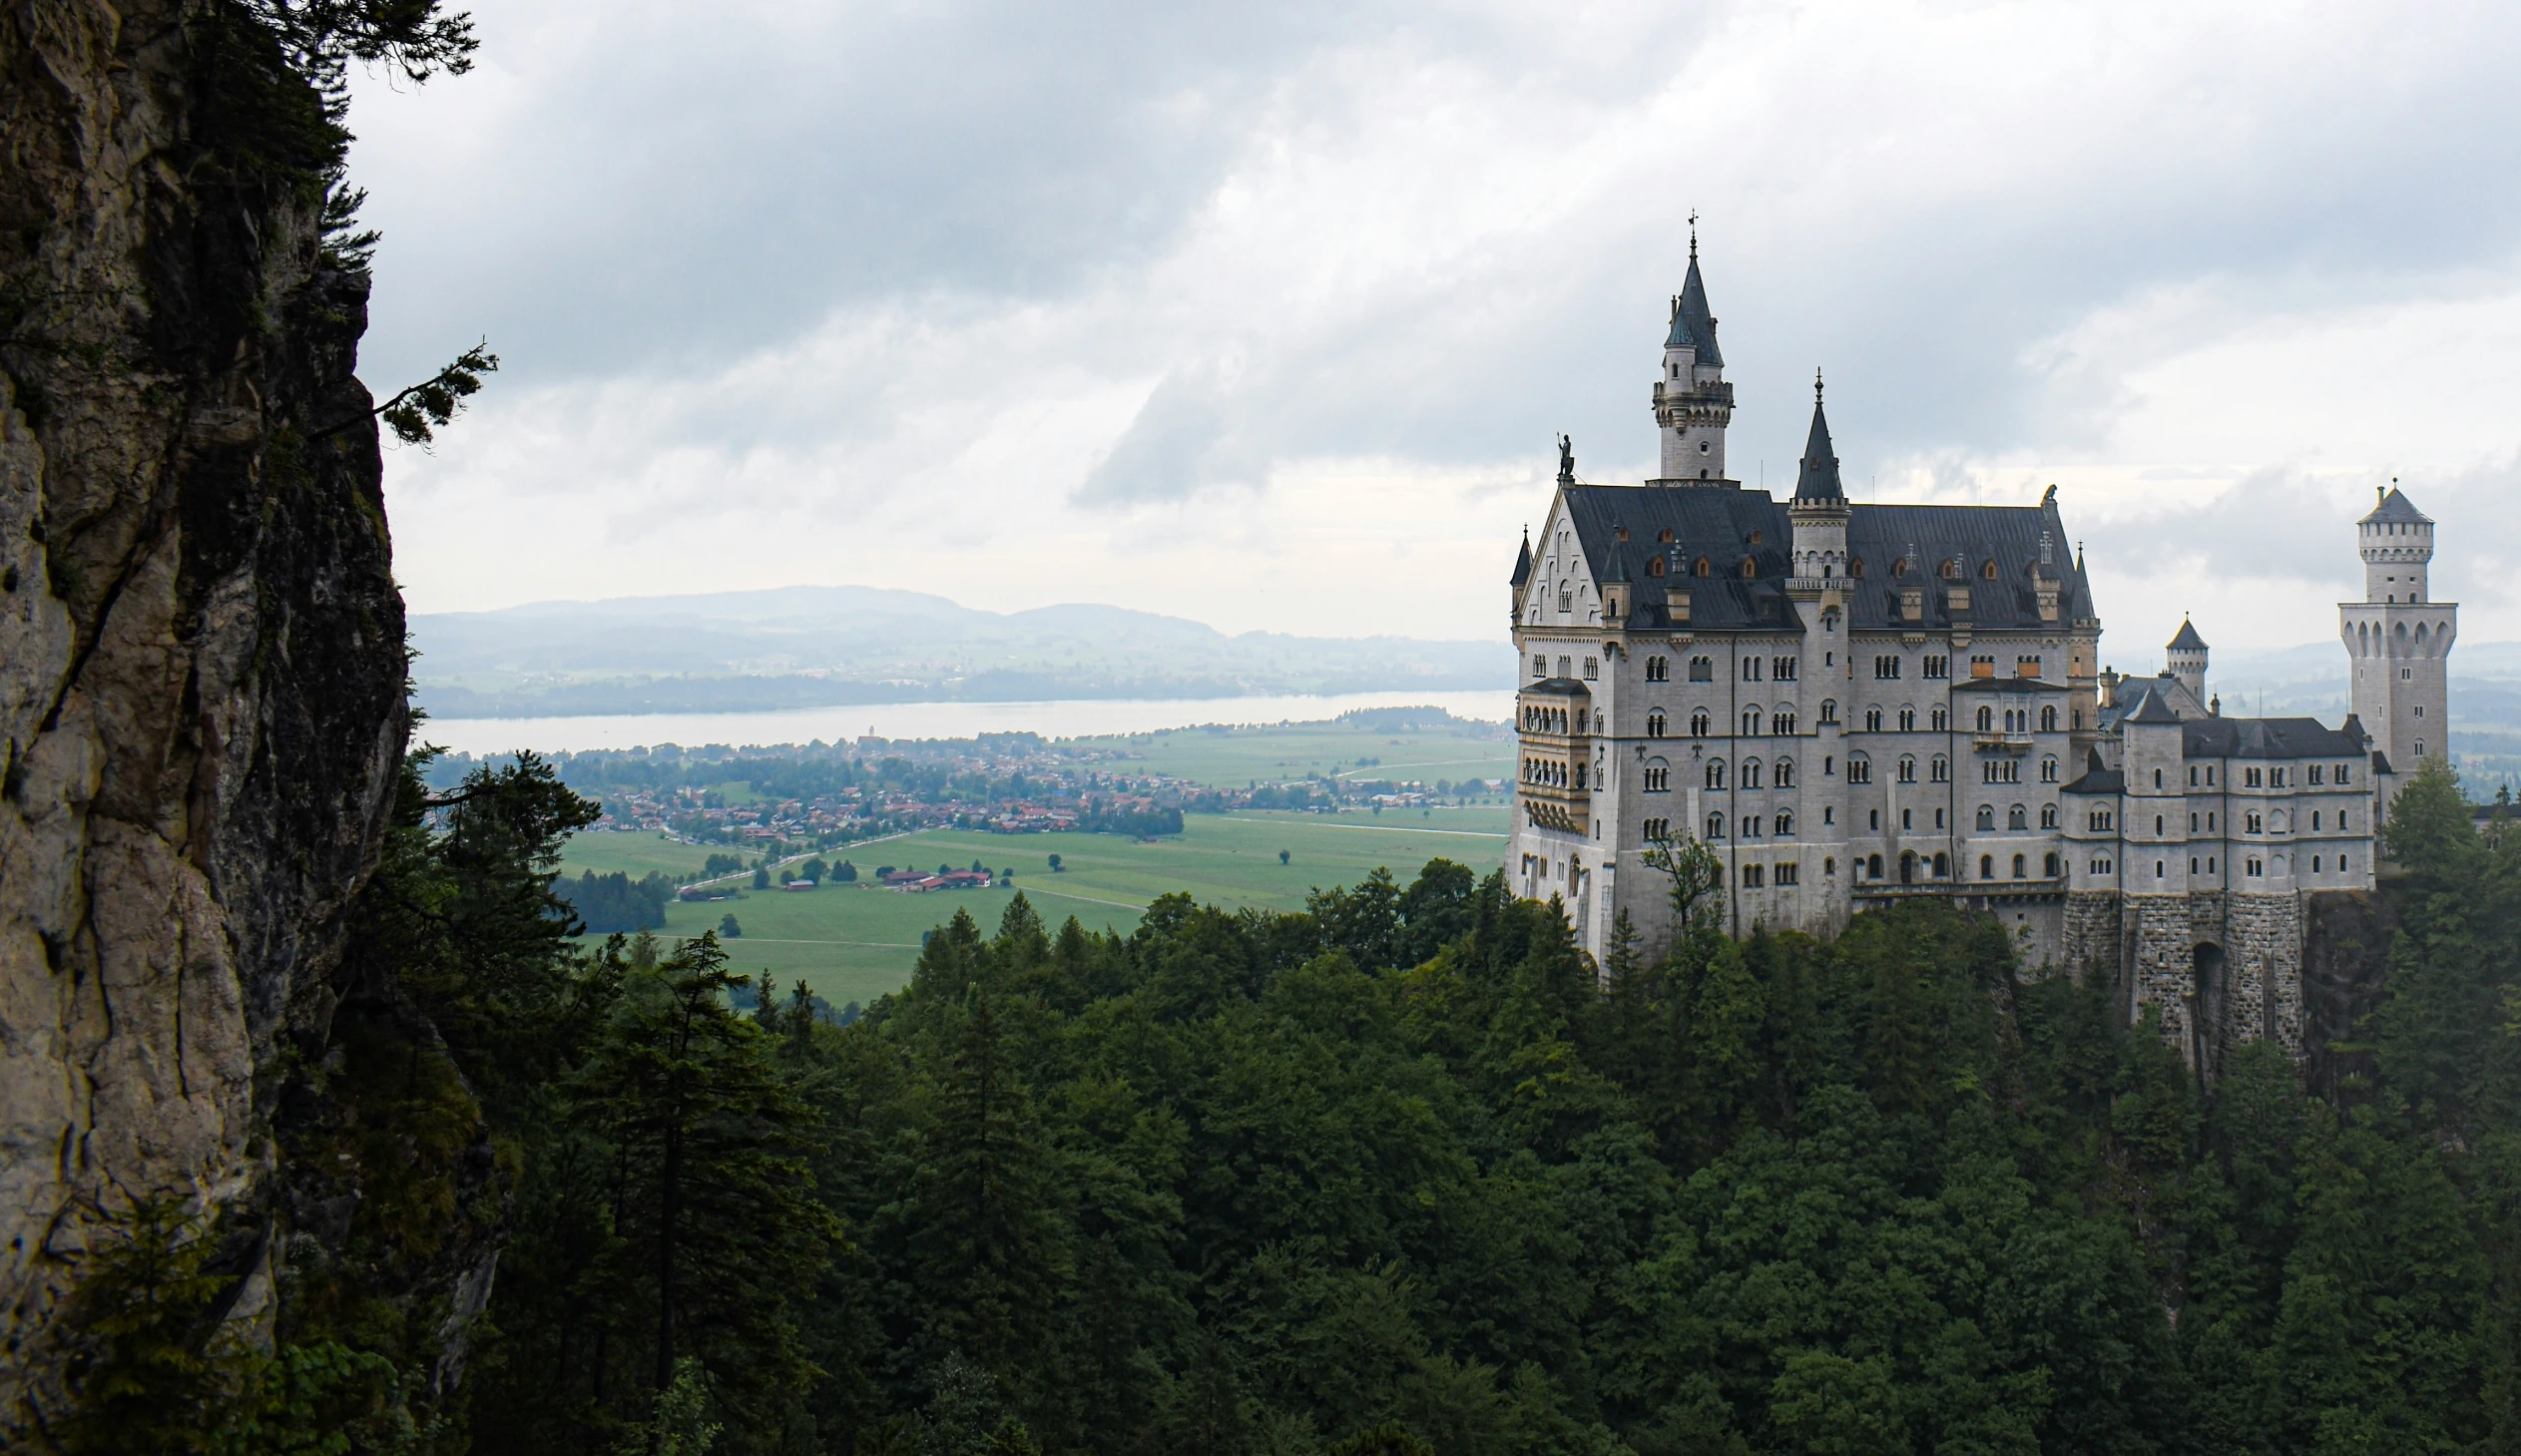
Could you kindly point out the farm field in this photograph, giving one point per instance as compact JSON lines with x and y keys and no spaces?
{"x":1236,"y":757}
{"x":857,"y":943}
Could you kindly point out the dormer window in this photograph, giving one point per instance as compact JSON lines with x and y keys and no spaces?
{"x":1988,"y":570}
{"x":1701,"y":568}
{"x":1856,"y":567}
{"x":1653,"y":566}
{"x":1665,"y":535}
{"x":1951,"y":571}
{"x":1900,"y":568}
{"x":1756,"y":538}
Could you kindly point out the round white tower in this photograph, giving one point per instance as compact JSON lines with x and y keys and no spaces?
{"x":1692,"y":403}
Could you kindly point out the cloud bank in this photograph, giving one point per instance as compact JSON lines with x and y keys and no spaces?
{"x":1269,"y":316}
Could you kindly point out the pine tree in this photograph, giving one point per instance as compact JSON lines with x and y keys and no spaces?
{"x":714,"y":1210}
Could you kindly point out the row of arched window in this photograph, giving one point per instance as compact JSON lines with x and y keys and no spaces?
{"x":2430,"y":639}
{"x":2017,"y":817}
{"x":1780,"y":774}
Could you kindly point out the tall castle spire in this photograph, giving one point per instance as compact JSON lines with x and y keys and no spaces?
{"x":1819,"y":510}
{"x":1692,"y":401}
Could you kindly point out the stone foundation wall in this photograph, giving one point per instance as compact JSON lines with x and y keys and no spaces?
{"x":2093,"y":937}
{"x":2263,"y":948}
{"x":2164,"y":966}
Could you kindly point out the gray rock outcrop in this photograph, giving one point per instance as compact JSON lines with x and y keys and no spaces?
{"x":201,"y":644}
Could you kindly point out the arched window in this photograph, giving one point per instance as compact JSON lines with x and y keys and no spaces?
{"x":1942,"y":865}
{"x":1900,"y":568}
{"x":1784,"y":778}
{"x":2048,"y":771}
{"x":1653,"y":566}
{"x":1987,"y":570}
{"x":1784,"y":824}
{"x":1750,"y":723}
{"x":1698,"y":724}
{"x":1654,"y":722}
{"x":1750,"y":773}
{"x":1829,"y":709}
{"x":1986,"y":866}
{"x":1873,"y":720}
{"x":1859,"y":769}
{"x":1700,"y":569}
{"x":1659,"y":670}
{"x":1940,"y":770}
{"x":2048,"y":865}
{"x":1986,"y":719}
{"x":1856,"y":567}
{"x":1750,"y":568}
{"x":1665,"y":535}
{"x":1873,"y":867}
{"x":1987,"y":816}
{"x":2048,"y":816}
{"x":1715,"y":773}
{"x":1907,"y":720}
{"x":1715,"y":826}
{"x":1938,"y":719}
{"x":1908,"y":770}
{"x":2017,"y":866}
{"x":2017,"y":817}
{"x":2048,"y":718}
{"x":1952,"y":570}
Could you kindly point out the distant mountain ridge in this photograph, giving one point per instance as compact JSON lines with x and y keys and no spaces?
{"x":805,"y":647}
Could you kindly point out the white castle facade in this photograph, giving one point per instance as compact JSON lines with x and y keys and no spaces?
{"x":1851,"y":703}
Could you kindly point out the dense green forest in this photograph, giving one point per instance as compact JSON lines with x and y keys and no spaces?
{"x":1396,"y":1175}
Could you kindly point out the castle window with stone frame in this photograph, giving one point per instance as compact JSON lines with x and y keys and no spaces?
{"x":2048,"y":718}
{"x":2254,"y":825}
{"x":2250,"y":778}
{"x":1873,"y":720}
{"x":1788,"y":872}
{"x":1658,"y":778}
{"x":1698,"y":723}
{"x":1937,"y":666}
{"x":2017,"y":817}
{"x":1566,"y":667}
{"x":1653,"y":723}
{"x":1908,"y":718}
{"x":2341,"y":775}
{"x":1750,"y":723}
{"x":1938,"y":719}
{"x":1986,"y":719}
{"x":1986,"y":866}
{"x":1715,"y":773}
{"x":1829,"y":709}
{"x":1592,"y":670}
{"x":1702,"y":669}
{"x":1939,"y":770}
{"x":1751,"y":877}
{"x":2048,"y":816}
{"x":2103,"y":821}
{"x":2254,"y":867}
{"x":1783,"y":669}
{"x":1659,"y":670}
{"x":1715,"y":826}
{"x":1886,"y":668}
{"x":1859,"y":769}
{"x":1750,"y":773}
{"x":1540,"y":665}
{"x":1783,"y":726}
{"x":1656,"y":831}
{"x":2048,"y":771}
{"x":1908,"y":770}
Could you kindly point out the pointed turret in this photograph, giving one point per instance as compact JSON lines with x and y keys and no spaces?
{"x":1692,"y":323}
{"x":1819,"y":482}
{"x":1523,"y":559}
{"x":2186,"y":656}
{"x":1819,"y":509}
{"x":1692,"y":403}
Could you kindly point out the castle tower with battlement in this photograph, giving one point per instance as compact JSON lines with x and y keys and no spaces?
{"x":2398,"y":640}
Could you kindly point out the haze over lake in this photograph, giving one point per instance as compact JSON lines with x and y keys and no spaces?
{"x":1055,"y":718}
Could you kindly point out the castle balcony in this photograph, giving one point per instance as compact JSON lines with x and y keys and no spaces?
{"x":2001,"y":742}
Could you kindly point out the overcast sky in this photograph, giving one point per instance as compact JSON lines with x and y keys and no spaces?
{"x":1269,"y":315}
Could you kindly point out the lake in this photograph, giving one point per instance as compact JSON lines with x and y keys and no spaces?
{"x":1064,"y":719}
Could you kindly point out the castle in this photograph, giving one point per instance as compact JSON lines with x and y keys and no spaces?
{"x":1854,"y":703}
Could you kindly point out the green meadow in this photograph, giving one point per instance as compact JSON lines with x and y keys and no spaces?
{"x":855,"y":943}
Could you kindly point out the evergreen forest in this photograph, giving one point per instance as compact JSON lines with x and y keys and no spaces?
{"x":1395,"y":1175}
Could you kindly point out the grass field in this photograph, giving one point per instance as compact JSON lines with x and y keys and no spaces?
{"x":1242,"y":756}
{"x":855,"y":944}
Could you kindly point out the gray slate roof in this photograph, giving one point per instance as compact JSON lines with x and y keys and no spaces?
{"x":1691,"y":323}
{"x":2188,"y":640}
{"x":2395,"y":508}
{"x":1818,"y":479}
{"x":2267,"y":737}
{"x":1716,"y":523}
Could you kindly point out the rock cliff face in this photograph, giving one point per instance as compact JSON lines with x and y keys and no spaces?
{"x":200,"y":645}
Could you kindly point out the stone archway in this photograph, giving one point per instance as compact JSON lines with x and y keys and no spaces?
{"x":1907,"y":867}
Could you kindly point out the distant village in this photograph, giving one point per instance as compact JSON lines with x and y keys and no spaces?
{"x":781,"y":802}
